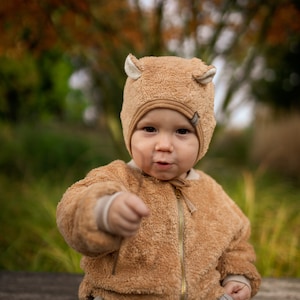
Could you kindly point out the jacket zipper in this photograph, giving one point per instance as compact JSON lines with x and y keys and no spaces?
{"x":183,"y":290}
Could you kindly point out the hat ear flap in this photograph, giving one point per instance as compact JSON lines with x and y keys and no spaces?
{"x":207,"y":77}
{"x":131,"y":67}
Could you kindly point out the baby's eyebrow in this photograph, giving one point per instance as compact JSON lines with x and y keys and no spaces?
{"x":185,"y":125}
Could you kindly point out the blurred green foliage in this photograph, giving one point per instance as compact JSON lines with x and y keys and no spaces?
{"x":278,"y":85}
{"x":34,"y":88}
{"x":44,"y":146}
{"x":39,"y":163}
{"x":53,"y":151}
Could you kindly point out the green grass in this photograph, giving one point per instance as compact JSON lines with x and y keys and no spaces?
{"x":29,"y":239}
{"x":37,"y":165}
{"x":272,"y":207}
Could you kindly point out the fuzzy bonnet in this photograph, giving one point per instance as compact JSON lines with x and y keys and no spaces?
{"x":184,"y":85}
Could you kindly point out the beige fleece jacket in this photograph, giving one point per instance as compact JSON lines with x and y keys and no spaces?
{"x":176,"y":251}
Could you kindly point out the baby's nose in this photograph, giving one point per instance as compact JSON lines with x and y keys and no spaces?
{"x":164,"y":143}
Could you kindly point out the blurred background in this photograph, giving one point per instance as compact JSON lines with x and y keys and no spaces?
{"x":61,"y":82}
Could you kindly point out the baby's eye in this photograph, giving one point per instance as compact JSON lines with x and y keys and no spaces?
{"x":182,"y":131}
{"x":149,"y":129}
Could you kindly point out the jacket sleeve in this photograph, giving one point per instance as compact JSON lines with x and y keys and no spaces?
{"x":239,"y":257}
{"x":76,"y":218}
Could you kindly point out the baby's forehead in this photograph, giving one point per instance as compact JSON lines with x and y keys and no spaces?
{"x":164,"y":115}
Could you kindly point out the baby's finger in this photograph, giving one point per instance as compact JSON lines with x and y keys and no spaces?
{"x":138,"y":206}
{"x":129,"y":214}
{"x":126,"y":229}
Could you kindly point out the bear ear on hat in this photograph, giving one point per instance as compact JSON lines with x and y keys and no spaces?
{"x":132,"y":68}
{"x":206,"y":77}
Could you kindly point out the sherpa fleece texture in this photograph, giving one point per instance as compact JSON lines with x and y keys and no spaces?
{"x":148,"y":265}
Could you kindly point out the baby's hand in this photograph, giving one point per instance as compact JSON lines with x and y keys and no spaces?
{"x":237,"y":290}
{"x":126,"y":213}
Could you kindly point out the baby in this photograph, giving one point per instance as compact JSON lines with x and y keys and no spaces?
{"x":156,"y":228}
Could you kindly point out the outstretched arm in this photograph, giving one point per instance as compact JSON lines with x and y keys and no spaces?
{"x":76,"y":220}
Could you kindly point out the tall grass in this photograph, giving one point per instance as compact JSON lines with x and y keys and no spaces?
{"x":37,"y":165}
{"x":272,"y":208}
{"x":29,"y":238}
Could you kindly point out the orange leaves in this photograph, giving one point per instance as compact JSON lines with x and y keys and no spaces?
{"x":24,"y":26}
{"x":285,"y":23}
{"x":36,"y":26}
{"x":82,"y":25}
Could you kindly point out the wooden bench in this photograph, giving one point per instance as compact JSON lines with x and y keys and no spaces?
{"x":57,"y":286}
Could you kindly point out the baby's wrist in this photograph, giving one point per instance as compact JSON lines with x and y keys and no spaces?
{"x":102,"y":209}
{"x":225,"y":297}
{"x":237,"y":278}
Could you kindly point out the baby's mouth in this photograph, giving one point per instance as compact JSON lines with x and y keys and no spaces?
{"x":162,"y":162}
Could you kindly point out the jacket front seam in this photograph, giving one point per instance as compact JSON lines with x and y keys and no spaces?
{"x":183,"y":288}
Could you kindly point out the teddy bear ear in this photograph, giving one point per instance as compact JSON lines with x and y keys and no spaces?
{"x":131,"y":67}
{"x":207,"y":77}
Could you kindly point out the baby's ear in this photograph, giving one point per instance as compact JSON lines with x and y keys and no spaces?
{"x":132,"y":67}
{"x":206,"y":77}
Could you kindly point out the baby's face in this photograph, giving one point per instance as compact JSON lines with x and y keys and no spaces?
{"x":164,"y":144}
